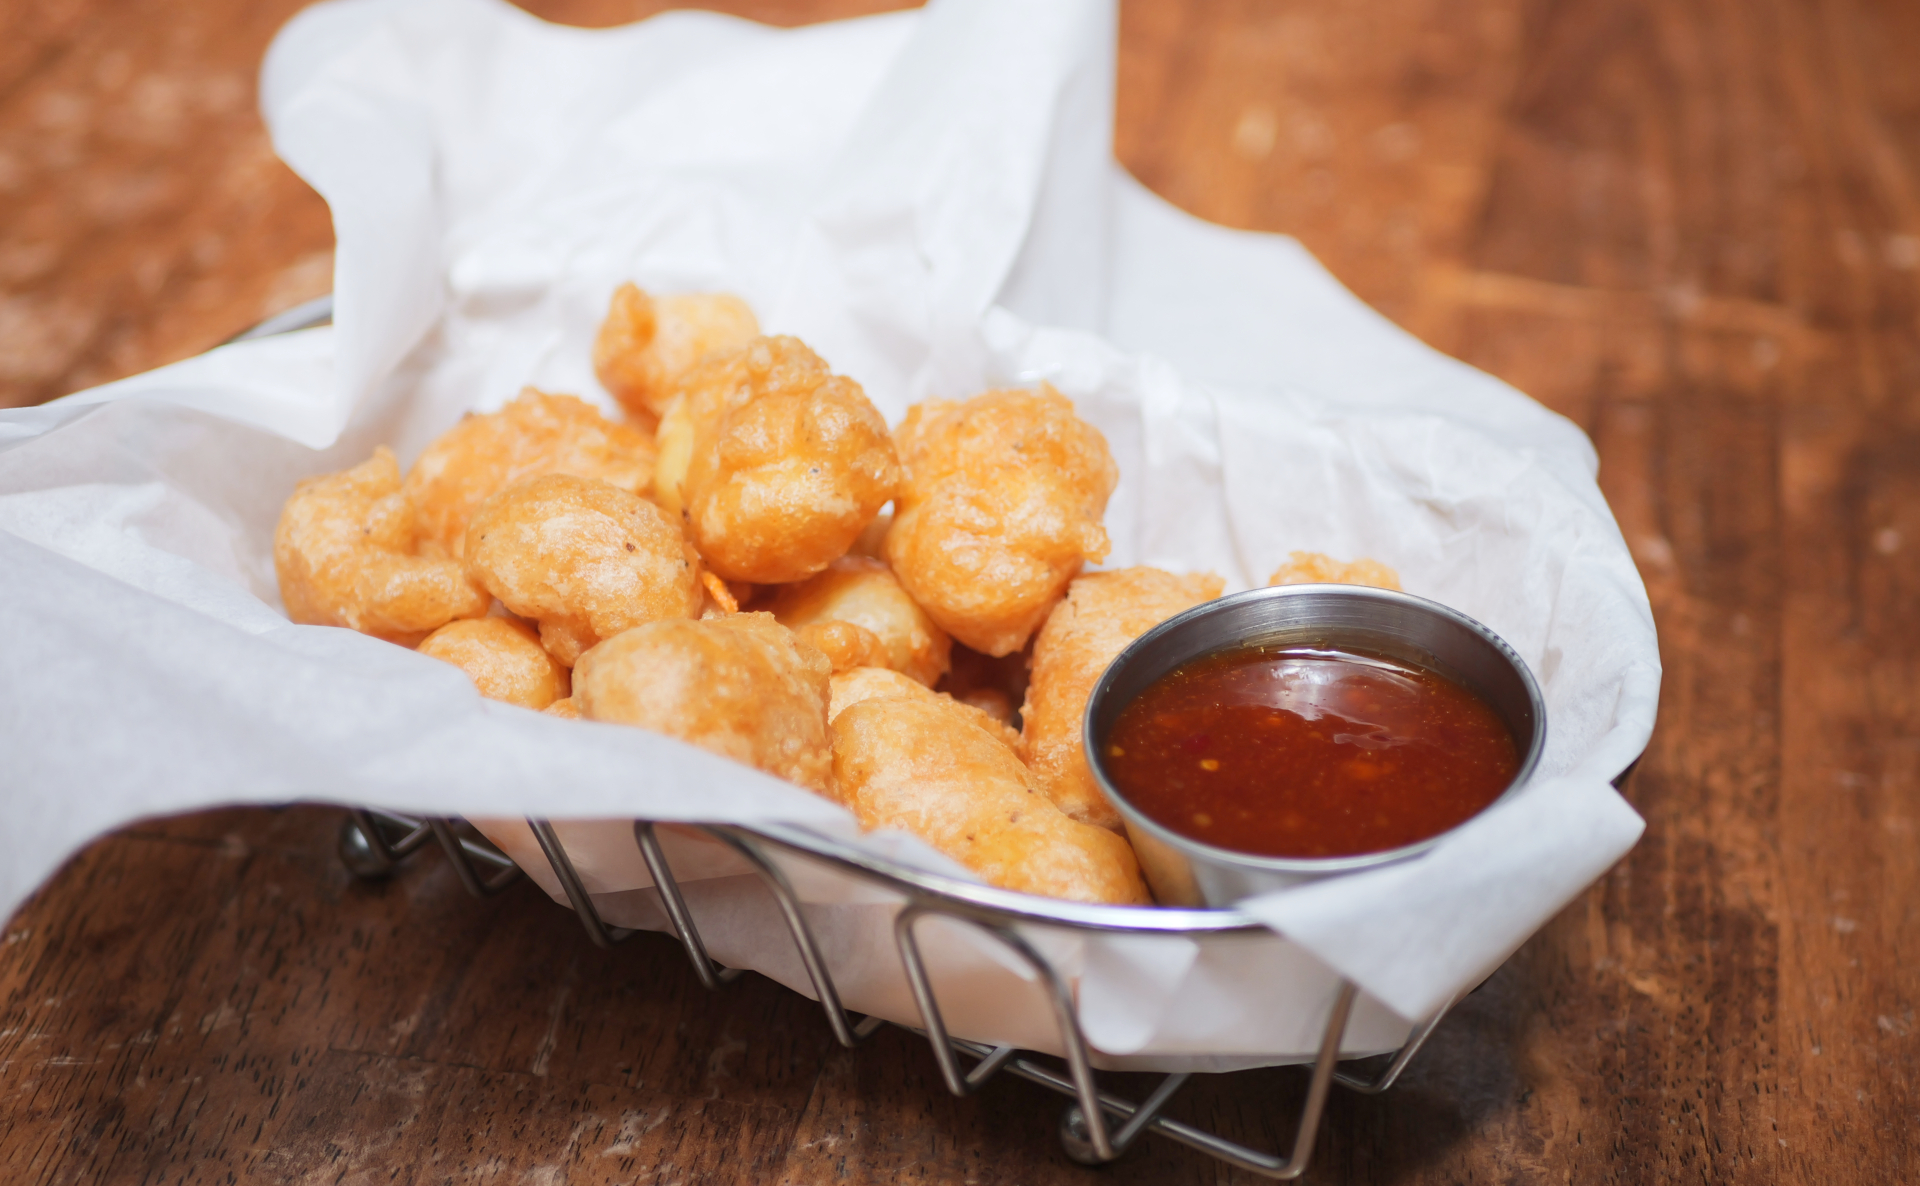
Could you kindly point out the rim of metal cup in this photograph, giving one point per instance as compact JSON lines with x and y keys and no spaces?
{"x":1303,"y":866}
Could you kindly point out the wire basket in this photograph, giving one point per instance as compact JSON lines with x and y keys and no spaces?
{"x":1097,"y":1126}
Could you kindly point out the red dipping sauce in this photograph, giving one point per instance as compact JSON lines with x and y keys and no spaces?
{"x":1294,"y":751}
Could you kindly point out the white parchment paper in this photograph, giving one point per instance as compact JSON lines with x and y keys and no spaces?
{"x":928,"y":199}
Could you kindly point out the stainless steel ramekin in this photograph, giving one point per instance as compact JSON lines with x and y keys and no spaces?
{"x":1186,"y":872}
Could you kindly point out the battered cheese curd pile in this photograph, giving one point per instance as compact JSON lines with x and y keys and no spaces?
{"x":722,"y":566}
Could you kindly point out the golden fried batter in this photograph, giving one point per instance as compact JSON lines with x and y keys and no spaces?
{"x":346,"y":555}
{"x":503,"y":658}
{"x":845,"y":645}
{"x":1001,"y":506}
{"x":563,"y":707}
{"x":566,"y":639}
{"x":1316,"y":568}
{"x":873,"y":537}
{"x":862,"y":591}
{"x":535,"y":434}
{"x":584,"y":559}
{"x":740,"y":686}
{"x":774,"y":463}
{"x":922,"y":763}
{"x":867,"y":683}
{"x":849,"y":688}
{"x":646,"y":343}
{"x":992,"y":701}
{"x":1102,"y":613}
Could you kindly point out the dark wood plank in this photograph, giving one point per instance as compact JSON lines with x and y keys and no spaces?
{"x":143,"y":215}
{"x":243,"y":1004}
{"x":1692,"y":227}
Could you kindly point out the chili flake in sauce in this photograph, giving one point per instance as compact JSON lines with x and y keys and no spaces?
{"x":1306,"y":752}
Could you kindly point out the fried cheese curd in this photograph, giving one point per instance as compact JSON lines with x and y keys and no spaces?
{"x":873,"y":537}
{"x":346,"y":554}
{"x":503,"y":658}
{"x":774,"y":463}
{"x":845,"y":645}
{"x":857,"y":614}
{"x":1317,"y":568}
{"x":648,"y":342}
{"x":583,"y":559}
{"x":535,"y":434}
{"x":869,"y":683}
{"x":926,"y":764}
{"x":1102,"y":613}
{"x":1000,"y":508}
{"x":740,"y":686}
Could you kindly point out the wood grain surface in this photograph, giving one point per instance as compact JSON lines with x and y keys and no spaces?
{"x":1691,"y":226}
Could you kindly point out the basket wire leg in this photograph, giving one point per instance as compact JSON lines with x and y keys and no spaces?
{"x":414,"y":832}
{"x":597,"y":930}
{"x":1084,"y":1130}
{"x":1220,"y":1148}
{"x":711,"y":974}
{"x":1073,"y":1125}
{"x":1066,"y":1017}
{"x":1401,"y":1058}
{"x":463,"y":854}
{"x":1317,"y":1087}
{"x":844,"y":1028}
{"x":933,"y":1021}
{"x":1303,"y":1139}
{"x":365,"y":848}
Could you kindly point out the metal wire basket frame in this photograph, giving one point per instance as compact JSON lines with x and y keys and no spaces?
{"x":1097,"y":1126}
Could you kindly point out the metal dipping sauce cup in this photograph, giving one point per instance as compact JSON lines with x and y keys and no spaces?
{"x":1392,"y":625}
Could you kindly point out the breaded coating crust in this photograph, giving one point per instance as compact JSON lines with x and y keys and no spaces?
{"x":774,"y":464}
{"x":566,"y":639}
{"x":535,"y":434}
{"x":993,"y":702}
{"x":867,"y":683}
{"x":564,"y":707}
{"x":584,"y":559}
{"x":647,"y":342}
{"x":863,"y":591}
{"x":1001,"y":506}
{"x":740,"y":686}
{"x":1102,"y":613}
{"x":346,"y":555}
{"x":503,"y":658}
{"x":1318,"y":568}
{"x":849,"y":688}
{"x":873,"y":537}
{"x":845,"y":645}
{"x":922,"y":764}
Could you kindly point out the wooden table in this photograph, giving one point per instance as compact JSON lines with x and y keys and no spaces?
{"x":1692,"y":227}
